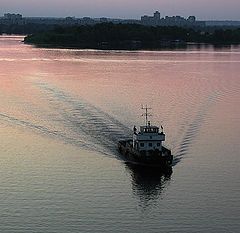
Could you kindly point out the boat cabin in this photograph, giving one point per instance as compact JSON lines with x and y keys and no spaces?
{"x":148,"y":138}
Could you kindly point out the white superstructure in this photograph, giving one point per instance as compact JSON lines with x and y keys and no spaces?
{"x":148,"y":138}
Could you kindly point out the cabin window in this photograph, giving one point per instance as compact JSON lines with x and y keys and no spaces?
{"x":150,"y":144}
{"x":150,"y":137}
{"x":158,"y":144}
{"x":141,"y":144}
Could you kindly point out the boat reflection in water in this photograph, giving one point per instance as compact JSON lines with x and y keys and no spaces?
{"x":148,"y":182}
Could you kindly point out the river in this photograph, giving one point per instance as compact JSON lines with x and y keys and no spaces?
{"x":62,"y":112}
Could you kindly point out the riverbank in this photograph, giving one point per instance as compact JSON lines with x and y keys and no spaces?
{"x":129,"y":37}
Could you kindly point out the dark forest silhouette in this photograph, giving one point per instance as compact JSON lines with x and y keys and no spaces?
{"x":130,"y":36}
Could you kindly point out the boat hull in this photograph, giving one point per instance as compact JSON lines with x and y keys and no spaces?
{"x":153,"y":158}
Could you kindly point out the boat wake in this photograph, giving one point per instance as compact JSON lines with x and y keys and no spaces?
{"x":86,"y":121}
{"x":192,"y":130}
{"x":74,"y":121}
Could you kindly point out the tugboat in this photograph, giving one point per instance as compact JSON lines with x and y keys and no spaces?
{"x":145,"y":148}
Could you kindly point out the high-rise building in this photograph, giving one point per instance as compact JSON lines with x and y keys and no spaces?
{"x":151,"y":20}
{"x":157,"y":15}
{"x":12,"y":16}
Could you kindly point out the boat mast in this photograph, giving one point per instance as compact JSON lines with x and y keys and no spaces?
{"x":146,"y":114}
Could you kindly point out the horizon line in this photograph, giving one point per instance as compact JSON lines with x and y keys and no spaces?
{"x":110,"y":17}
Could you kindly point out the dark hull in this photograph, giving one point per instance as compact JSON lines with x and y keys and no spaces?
{"x":152,"y":158}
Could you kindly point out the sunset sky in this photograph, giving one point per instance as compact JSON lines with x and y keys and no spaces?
{"x":202,"y":9}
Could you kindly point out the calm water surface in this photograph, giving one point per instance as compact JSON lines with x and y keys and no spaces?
{"x":63,"y":111}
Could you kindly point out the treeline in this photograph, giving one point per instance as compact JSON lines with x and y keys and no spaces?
{"x":25,"y":29}
{"x":130,"y":36}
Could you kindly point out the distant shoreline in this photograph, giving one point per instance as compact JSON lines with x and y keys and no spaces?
{"x":187,"y":46}
{"x":72,"y":46}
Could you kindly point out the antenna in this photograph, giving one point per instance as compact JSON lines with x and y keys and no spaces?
{"x":146,"y":114}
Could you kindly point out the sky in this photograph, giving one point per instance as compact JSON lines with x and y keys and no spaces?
{"x":202,"y":9}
